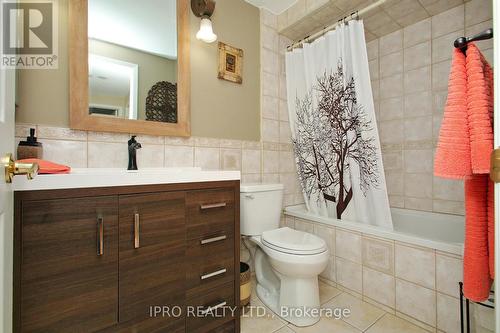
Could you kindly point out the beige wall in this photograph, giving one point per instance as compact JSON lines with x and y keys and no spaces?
{"x":152,"y":68}
{"x":43,"y":95}
{"x":120,"y":101}
{"x":219,"y":108}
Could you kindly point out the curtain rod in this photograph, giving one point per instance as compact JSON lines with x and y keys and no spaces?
{"x":331,"y":27}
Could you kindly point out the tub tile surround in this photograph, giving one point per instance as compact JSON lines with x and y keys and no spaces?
{"x":416,"y":265}
{"x":411,"y":67}
{"x":328,"y":235}
{"x":378,"y":254}
{"x":379,"y":286}
{"x":414,"y":283}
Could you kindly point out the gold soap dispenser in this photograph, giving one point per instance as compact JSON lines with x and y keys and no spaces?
{"x":30,"y":148}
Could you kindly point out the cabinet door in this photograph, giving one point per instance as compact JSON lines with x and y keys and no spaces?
{"x":152,"y":251}
{"x":69,"y":281}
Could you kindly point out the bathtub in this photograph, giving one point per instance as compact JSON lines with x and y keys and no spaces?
{"x":442,"y":232}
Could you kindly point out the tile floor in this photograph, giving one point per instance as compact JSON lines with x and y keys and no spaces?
{"x":364,"y":317}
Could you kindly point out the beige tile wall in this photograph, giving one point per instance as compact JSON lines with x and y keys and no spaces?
{"x":409,"y":70}
{"x":81,"y":149}
{"x":277,"y":154}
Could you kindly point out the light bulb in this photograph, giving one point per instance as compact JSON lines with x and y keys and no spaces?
{"x":206,"y":32}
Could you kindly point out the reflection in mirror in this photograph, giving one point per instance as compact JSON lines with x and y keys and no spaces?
{"x":112,"y":87}
{"x":133,"y":59}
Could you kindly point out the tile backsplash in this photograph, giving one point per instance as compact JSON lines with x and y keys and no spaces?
{"x":256,"y":160}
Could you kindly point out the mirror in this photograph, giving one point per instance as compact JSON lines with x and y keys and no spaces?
{"x":133,"y":59}
{"x":129,"y":66}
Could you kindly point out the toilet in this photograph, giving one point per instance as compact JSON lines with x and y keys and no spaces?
{"x":287,"y":261}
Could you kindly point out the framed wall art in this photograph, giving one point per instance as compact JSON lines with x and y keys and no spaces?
{"x":230,"y":63}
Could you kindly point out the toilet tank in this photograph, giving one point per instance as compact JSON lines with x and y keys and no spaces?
{"x":260,"y":208}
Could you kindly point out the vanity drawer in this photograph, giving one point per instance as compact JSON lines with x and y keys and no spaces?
{"x":220,"y":301}
{"x":229,"y":327}
{"x":210,"y":211}
{"x":210,"y":264}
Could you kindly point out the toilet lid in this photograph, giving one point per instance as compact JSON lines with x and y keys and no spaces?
{"x":293,"y":241}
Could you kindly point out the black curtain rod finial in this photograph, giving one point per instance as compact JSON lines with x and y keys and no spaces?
{"x":460,"y":43}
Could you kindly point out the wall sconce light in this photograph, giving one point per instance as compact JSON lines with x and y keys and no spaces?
{"x":204,"y":9}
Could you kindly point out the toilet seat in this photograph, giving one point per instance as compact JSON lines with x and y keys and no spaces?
{"x":291,"y":241}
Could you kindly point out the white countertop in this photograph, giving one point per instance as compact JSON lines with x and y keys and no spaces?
{"x":86,"y":178}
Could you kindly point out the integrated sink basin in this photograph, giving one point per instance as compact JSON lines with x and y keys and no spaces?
{"x":105,"y":177}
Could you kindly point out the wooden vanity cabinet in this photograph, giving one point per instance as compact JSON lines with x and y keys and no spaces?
{"x":96,"y":260}
{"x":66,"y":277}
{"x":152,"y":245}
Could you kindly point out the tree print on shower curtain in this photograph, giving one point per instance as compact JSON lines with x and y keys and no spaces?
{"x":330,"y":137}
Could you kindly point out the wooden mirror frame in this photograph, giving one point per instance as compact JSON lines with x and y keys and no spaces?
{"x":79,"y":117}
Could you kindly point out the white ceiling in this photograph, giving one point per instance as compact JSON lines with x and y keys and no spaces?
{"x":274,"y":6}
{"x":146,"y":25}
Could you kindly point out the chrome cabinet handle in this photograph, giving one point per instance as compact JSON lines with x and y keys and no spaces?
{"x":213,"y":307}
{"x":209,"y":275}
{"x":136,"y":231}
{"x":249,"y":196}
{"x":213,"y":239}
{"x":211,"y":206}
{"x":100,"y":236}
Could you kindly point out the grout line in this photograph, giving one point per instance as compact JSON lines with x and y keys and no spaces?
{"x":435,"y":288}
{"x":376,"y":321}
{"x":87,"y":148}
{"x":351,"y":325}
{"x":285,"y":323}
{"x":394,"y":275}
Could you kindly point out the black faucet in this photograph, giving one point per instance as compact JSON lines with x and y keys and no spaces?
{"x":132,"y":153}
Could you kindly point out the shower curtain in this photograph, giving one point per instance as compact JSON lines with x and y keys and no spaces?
{"x":334,"y":130}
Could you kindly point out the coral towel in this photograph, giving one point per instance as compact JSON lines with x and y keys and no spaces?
{"x":463,"y":152}
{"x":453,"y":150}
{"x":47,"y":167}
{"x":479,"y":109}
{"x":477,"y":277}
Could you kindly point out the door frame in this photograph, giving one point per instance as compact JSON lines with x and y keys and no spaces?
{"x":7,"y":132}
{"x":496,"y":50}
